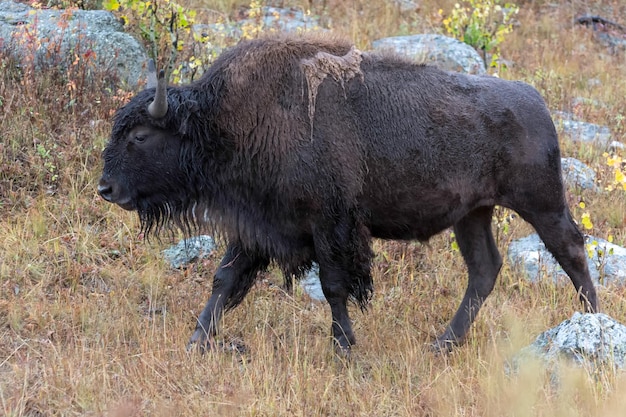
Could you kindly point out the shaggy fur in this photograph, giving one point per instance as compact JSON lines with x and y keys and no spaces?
{"x":380,"y":147}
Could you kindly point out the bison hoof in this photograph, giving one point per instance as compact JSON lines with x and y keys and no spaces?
{"x":209,"y":344}
{"x":343,"y":353}
{"x":443,"y":346}
{"x":343,"y":348}
{"x":200,"y":341}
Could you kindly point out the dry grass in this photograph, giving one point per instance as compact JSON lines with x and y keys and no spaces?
{"x":92,"y":321}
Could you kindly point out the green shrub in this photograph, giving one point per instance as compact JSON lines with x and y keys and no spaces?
{"x":482,"y":24}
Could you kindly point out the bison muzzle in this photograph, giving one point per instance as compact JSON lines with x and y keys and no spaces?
{"x":301,"y":149}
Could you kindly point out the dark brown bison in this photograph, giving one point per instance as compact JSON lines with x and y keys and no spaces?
{"x":300,"y":149}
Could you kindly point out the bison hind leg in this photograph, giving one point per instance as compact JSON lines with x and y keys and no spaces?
{"x":564,"y":240}
{"x":479,"y":250}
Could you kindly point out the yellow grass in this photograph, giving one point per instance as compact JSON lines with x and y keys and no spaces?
{"x":93,"y":322}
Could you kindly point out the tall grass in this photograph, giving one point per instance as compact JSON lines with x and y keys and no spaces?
{"x":93,"y":321}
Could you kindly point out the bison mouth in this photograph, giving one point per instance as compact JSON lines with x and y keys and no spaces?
{"x":113,"y":194}
{"x":126,"y":205}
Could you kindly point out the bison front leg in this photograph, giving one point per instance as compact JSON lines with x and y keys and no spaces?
{"x":479,"y":250}
{"x":337,"y":296}
{"x":233,"y":279}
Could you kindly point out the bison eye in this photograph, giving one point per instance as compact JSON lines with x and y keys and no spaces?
{"x":140,"y":139}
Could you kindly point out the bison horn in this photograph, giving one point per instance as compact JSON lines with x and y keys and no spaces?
{"x":158,"y":108}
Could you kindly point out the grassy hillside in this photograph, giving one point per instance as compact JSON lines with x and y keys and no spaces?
{"x":93,"y":322}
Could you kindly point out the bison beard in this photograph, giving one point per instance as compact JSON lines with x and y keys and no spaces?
{"x":300,"y":149}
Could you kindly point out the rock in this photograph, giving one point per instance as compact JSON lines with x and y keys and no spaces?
{"x":611,"y":34}
{"x":606,"y":261}
{"x":405,"y":6}
{"x":616,"y":146}
{"x":284,"y":20}
{"x":614,"y":43}
{"x":61,"y":35}
{"x":189,"y":250}
{"x":577,"y":174}
{"x":311,"y":283}
{"x":269,"y":19}
{"x":592,"y":341}
{"x":442,"y":51}
{"x":579,"y":131}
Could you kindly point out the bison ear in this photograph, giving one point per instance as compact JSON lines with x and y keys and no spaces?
{"x":158,"y":108}
{"x":186,"y":115}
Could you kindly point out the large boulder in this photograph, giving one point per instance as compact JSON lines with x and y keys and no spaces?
{"x":578,"y":175}
{"x":263,"y":19}
{"x":606,"y":261}
{"x":579,"y":131}
{"x":594,"y":341}
{"x":52,"y":38}
{"x":442,"y":51}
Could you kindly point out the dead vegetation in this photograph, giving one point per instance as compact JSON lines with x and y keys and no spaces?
{"x":94,"y":323}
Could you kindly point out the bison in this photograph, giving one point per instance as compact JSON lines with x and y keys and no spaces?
{"x":301,"y":149}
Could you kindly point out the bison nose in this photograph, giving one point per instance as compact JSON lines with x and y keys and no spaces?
{"x":105,"y":190}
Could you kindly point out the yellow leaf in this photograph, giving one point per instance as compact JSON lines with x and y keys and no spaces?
{"x":586,"y":221}
{"x":614,"y":161}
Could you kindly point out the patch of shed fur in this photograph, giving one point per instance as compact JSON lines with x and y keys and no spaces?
{"x":323,"y":64}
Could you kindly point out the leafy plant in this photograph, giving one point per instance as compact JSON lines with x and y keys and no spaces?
{"x":165,"y":26}
{"x":482,"y":24}
{"x":173,"y":38}
{"x":619,"y":178}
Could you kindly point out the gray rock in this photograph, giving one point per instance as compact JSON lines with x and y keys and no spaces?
{"x":584,"y":102}
{"x":442,"y":51}
{"x":616,"y":146}
{"x":67,"y":33}
{"x":405,"y":6}
{"x":284,"y":20}
{"x":606,"y":261}
{"x":577,"y":174}
{"x":189,"y":250}
{"x":614,"y":43}
{"x":270,"y":19}
{"x":593,"y":341}
{"x":609,"y":33}
{"x":311,"y":284}
{"x":579,"y":131}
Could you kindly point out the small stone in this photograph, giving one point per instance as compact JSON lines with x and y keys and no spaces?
{"x":189,"y":250}
{"x":311,"y":283}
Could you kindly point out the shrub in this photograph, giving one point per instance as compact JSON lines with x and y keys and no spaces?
{"x":482,"y":24}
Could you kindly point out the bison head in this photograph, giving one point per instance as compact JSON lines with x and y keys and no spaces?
{"x":148,"y":164}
